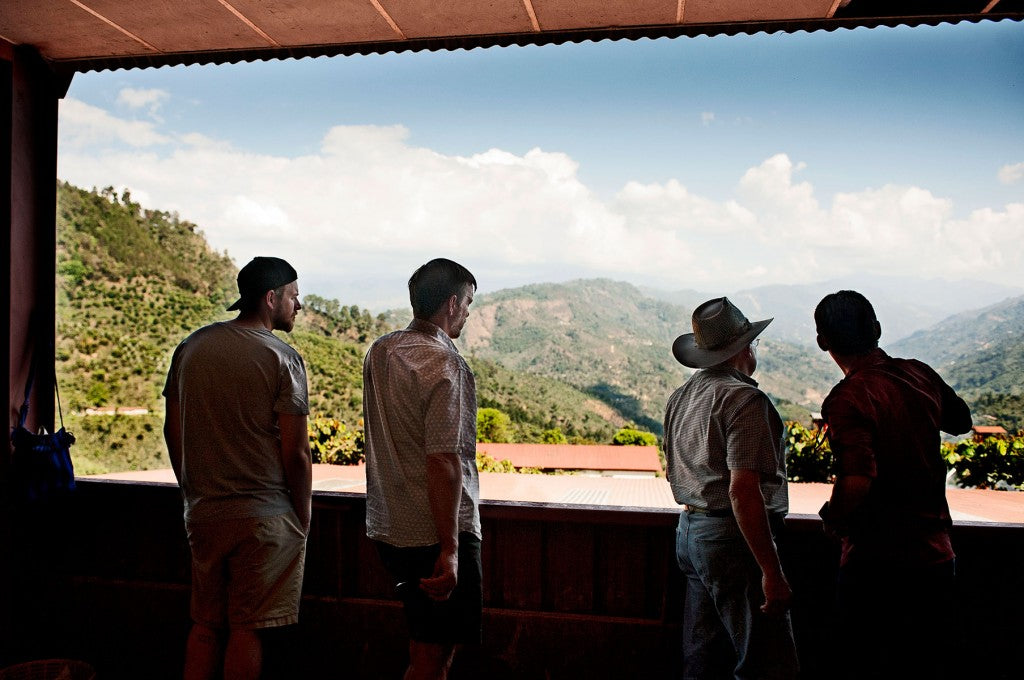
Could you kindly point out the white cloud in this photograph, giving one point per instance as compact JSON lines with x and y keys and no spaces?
{"x":84,"y":125}
{"x":150,"y":99}
{"x":357,"y":216}
{"x":1011,"y":173}
{"x":707,"y":118}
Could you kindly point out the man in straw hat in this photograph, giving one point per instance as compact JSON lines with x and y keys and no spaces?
{"x":236,"y":434}
{"x":727,"y":466}
{"x":888,"y":505}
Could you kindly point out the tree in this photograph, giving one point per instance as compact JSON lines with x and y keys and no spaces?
{"x":553,"y":436}
{"x":628,"y":436}
{"x":492,"y":426}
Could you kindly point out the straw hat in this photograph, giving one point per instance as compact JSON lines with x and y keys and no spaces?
{"x":720,"y":330}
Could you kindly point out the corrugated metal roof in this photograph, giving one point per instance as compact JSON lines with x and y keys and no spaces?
{"x":91,"y":35}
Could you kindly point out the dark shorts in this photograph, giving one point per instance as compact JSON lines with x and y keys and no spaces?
{"x":457,"y":619}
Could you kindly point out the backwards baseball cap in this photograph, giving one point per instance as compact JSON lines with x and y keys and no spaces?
{"x":260,"y":275}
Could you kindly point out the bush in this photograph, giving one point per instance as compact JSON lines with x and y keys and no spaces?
{"x":628,"y":436}
{"x":493,"y":426}
{"x":330,"y":441}
{"x":808,"y":456}
{"x":553,"y":436}
{"x":994,"y":463}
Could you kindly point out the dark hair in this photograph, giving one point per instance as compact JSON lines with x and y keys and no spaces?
{"x":433,"y":283}
{"x":846,"y":322}
{"x":251,"y":303}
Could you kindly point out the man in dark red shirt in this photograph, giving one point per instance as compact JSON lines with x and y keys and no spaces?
{"x":888,"y":505}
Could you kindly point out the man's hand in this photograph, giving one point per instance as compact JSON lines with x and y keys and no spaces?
{"x":445,"y":577}
{"x":777,"y":594}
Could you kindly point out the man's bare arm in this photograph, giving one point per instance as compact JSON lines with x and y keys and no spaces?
{"x":172,"y":435}
{"x":444,"y":485}
{"x":298,"y":467}
{"x":748,"y":507}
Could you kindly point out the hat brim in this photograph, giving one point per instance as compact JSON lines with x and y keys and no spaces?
{"x":686,"y":351}
{"x":236,"y":305}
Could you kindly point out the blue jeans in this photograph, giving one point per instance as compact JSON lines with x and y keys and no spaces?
{"x":724,"y":632}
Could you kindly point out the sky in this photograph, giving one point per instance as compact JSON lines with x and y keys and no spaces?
{"x":712,"y":164}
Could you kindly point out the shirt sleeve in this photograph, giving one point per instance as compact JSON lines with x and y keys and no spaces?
{"x":171,"y":385}
{"x":293,"y":392}
{"x":750,"y":441}
{"x":850,"y":438}
{"x":444,"y":412}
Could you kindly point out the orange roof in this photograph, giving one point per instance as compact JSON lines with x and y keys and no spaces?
{"x":989,"y":429}
{"x":576,"y":456}
{"x":965,"y":505}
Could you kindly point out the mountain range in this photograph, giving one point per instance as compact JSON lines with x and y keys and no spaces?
{"x":586,"y":356}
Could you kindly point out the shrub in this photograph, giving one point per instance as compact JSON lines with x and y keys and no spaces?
{"x":628,"y":436}
{"x":808,"y":456}
{"x":330,"y":441}
{"x":994,"y":463}
{"x":492,"y":426}
{"x":553,"y":436}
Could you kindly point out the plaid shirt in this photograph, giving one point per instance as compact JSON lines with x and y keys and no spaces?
{"x":719,"y":421}
{"x":419,"y":398}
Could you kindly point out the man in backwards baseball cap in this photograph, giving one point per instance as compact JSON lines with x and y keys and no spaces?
{"x":727,"y":466}
{"x":235,"y":428}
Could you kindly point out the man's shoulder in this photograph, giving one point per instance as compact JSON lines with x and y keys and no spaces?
{"x":223,"y":337}
{"x":716,"y":385}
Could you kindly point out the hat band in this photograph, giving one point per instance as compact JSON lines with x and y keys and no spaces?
{"x":725,"y":341}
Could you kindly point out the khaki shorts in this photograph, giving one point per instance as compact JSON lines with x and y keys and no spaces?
{"x":247,"y":572}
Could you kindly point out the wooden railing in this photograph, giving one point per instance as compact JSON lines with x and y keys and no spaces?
{"x":569,"y":591}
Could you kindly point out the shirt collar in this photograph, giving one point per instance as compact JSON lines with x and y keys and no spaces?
{"x":424,"y":326}
{"x":733,"y":373}
{"x":872,"y":358}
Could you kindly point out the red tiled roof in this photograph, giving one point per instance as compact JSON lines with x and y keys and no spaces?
{"x":576,"y":456}
{"x":989,"y":429}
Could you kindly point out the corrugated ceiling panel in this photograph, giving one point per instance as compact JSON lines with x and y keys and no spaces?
{"x":61,"y":30}
{"x":177,"y":26}
{"x":715,"y":11}
{"x":560,"y":15}
{"x":430,"y":18}
{"x":295,"y":22}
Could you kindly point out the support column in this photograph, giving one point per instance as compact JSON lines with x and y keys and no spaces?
{"x":29,"y":93}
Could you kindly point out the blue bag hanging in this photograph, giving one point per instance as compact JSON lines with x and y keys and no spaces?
{"x":42,"y":462}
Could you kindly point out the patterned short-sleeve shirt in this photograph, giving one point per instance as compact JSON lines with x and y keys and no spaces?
{"x":720,"y":421}
{"x":419,"y":398}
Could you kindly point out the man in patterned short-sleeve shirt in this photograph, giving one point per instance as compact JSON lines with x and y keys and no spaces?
{"x":727,"y":466}
{"x":422,"y":485}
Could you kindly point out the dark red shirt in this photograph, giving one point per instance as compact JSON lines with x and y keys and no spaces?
{"x":884,"y":420}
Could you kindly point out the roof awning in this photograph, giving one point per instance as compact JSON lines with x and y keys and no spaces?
{"x":90,"y":35}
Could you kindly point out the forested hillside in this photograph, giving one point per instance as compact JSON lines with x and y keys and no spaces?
{"x":584,"y":357}
{"x":981,"y":354}
{"x":612,"y":341}
{"x":133,"y":282}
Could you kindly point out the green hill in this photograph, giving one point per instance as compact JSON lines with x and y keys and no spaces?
{"x":586,"y":357}
{"x":612,"y":341}
{"x":981,"y":354}
{"x":132,"y":283}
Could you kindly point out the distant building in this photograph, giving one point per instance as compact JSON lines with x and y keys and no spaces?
{"x":117,"y":410}
{"x":132,"y":411}
{"x":602,"y":460}
{"x":101,"y":411}
{"x":980,"y":432}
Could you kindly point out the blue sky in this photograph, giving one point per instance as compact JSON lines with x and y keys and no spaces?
{"x":707,"y":163}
